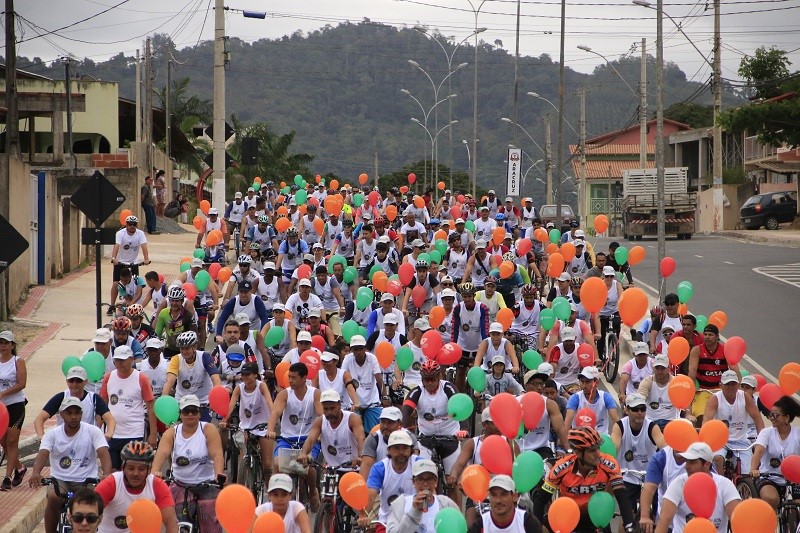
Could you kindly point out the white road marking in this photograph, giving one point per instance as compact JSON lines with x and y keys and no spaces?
{"x":700,"y":256}
{"x":727,"y":262}
{"x":784,"y":273}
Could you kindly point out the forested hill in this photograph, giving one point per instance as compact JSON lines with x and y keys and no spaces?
{"x":340,"y":89}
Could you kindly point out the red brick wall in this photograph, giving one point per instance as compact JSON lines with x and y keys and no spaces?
{"x":110,"y":161}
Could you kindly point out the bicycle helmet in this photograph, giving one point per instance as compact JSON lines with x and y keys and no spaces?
{"x":379,"y":221}
{"x":291,"y":232}
{"x":255,"y":246}
{"x":244,"y":259}
{"x":263,"y":219}
{"x":235,"y":357}
{"x":138,"y":450}
{"x":509,"y":256}
{"x":499,"y":216}
{"x":422,"y":263}
{"x":435,"y":222}
{"x":132,"y":220}
{"x":584,"y":438}
{"x":122,"y":323}
{"x":135,"y":311}
{"x":428,"y":368}
{"x":528,"y":290}
{"x":186,"y":339}
{"x":176,"y":293}
{"x":311,"y":207}
{"x":490,"y":279}
{"x":577,"y":281}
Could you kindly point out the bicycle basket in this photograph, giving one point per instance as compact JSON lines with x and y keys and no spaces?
{"x":287,"y":462}
{"x":241,"y":442}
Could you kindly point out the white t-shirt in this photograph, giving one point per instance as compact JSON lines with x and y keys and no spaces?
{"x":129,"y":245}
{"x":367,"y":389}
{"x":73,"y":458}
{"x":290,"y":519}
{"x":726,"y":493}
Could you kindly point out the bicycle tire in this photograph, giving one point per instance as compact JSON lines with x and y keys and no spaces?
{"x":746,"y":488}
{"x":611,"y":365}
{"x":326,"y":509}
{"x":232,"y":460}
{"x":788,"y":519}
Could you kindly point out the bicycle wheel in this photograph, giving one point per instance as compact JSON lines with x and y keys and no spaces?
{"x":324,"y":516}
{"x":232,"y":460}
{"x":612,"y":357}
{"x":788,"y":519}
{"x":746,"y":488}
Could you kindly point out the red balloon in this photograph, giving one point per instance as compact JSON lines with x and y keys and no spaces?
{"x":790,"y":468}
{"x":318,"y":342}
{"x":374,"y":198}
{"x":310,"y":358}
{"x":496,"y":454}
{"x":431,"y":344}
{"x":406,"y":273}
{"x":213,"y":270}
{"x":769,"y":394}
{"x":585,"y":355}
{"x":524,"y":246}
{"x":735,"y":347}
{"x":700,"y":493}
{"x":760,"y":381}
{"x":585,"y":418}
{"x":449,"y":354}
{"x":533,"y":407}
{"x":4,"y":419}
{"x":394,"y":287}
{"x":667,"y":266}
{"x":418,"y":296}
{"x":303,"y":272}
{"x":506,"y":414}
{"x":191,"y":290}
{"x":455,"y":211}
{"x":412,"y":178}
{"x":218,"y":400}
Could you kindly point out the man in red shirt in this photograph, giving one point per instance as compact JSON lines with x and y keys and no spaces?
{"x":688,"y":324}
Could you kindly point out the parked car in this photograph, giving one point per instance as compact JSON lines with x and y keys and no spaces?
{"x":769,"y":210}
{"x":548,"y":214}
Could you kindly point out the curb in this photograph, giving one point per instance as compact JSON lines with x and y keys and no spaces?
{"x":757,"y":237}
{"x":30,"y":513}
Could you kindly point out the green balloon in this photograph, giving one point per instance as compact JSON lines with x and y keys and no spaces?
{"x":358,"y":199}
{"x":619,"y":276}
{"x":405,"y":358}
{"x":561,"y":308}
{"x":393,"y":276}
{"x":286,"y":190}
{"x":375,"y":268}
{"x":364,"y":297}
{"x":450,"y":520}
{"x":362,"y":330}
{"x":441,"y":245}
{"x":167,"y":410}
{"x":424,"y":257}
{"x":460,"y":406}
{"x":608,"y":446}
{"x":555,"y":235}
{"x":476,"y":377}
{"x":532,"y":359}
{"x":527,"y":470}
{"x":187,"y":265}
{"x":201,"y":280}
{"x":621,"y":255}
{"x":299,"y":181}
{"x":744,"y":372}
{"x":274,"y":336}
{"x":601,"y":508}
{"x":350,"y":274}
{"x":349,"y":328}
{"x":435,"y":256}
{"x":199,"y":253}
{"x":521,"y":430}
{"x":702,"y":322}
{"x":547,"y":319}
{"x":336,"y":259}
{"x":685,"y":291}
{"x":68,"y":363}
{"x":95,"y":365}
{"x":301,"y":196}
{"x":469,"y":225}
{"x":256,"y":186}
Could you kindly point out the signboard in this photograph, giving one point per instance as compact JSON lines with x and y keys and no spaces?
{"x":514,"y":174}
{"x":97,"y":198}
{"x":14,"y":244}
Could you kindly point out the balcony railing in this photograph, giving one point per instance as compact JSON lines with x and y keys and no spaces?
{"x":601,"y":205}
{"x":753,"y":149}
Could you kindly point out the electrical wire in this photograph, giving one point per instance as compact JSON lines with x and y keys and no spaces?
{"x":52,"y":32}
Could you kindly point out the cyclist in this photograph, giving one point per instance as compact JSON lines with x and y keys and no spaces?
{"x":175,"y":319}
{"x":593,"y":319}
{"x":609,"y":312}
{"x":417,"y":510}
{"x":244,"y":271}
{"x":376,"y":443}
{"x":562,"y":287}
{"x":197,"y":459}
{"x":368,"y":379}
{"x":489,"y":296}
{"x":137,"y":481}
{"x":564,"y":358}
{"x":526,"y":319}
{"x":294,"y":514}
{"x":329,"y":291}
{"x":205,"y":301}
{"x":479,"y":264}
{"x":655,"y":390}
{"x":13,"y":379}
{"x":665,"y":465}
{"x":154,"y":367}
{"x":85,"y":510}
{"x":624,"y":268}
{"x":688,"y":325}
{"x":301,"y":303}
{"x":580,"y":474}
{"x":429,"y":283}
{"x":582,"y":261}
{"x":127,"y":243}
{"x":670,"y":317}
{"x":244,"y":302}
{"x":193,"y":373}
{"x":456,"y":258}
{"x":733,"y":407}
{"x":635,"y":371}
{"x":210,"y":224}
{"x":599,"y":401}
{"x":303,"y":343}
{"x":772,"y":446}
{"x":121,"y":328}
{"x":317,"y":328}
{"x":279,"y":320}
{"x":470,"y":327}
{"x":551,"y":427}
{"x":340,"y":433}
{"x":504,"y":514}
{"x":581,"y":328}
{"x":230,"y":336}
{"x":101,"y":343}
{"x":707,"y":363}
{"x":496,"y":345}
{"x":674,"y":511}
{"x":498,"y":380}
{"x":253,"y":342}
{"x":233,"y":215}
{"x":330,"y":377}
{"x":140,"y":331}
{"x":447,"y":299}
{"x":72,"y":449}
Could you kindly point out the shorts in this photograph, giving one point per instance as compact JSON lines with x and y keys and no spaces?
{"x":62,"y":488}
{"x":16,"y":414}
{"x":115,"y":447}
{"x":700,"y":401}
{"x":287,"y":276}
{"x":448,"y":453}
{"x":119,"y":266}
{"x":296,"y":444}
{"x":764,"y":481}
{"x":633,"y":491}
{"x":467,"y":359}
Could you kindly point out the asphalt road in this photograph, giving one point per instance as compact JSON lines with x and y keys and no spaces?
{"x":761,"y":309}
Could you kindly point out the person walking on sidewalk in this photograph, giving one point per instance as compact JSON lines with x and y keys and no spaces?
{"x":149,"y":205}
{"x":13,"y":378}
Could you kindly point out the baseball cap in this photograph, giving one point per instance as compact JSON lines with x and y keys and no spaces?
{"x":579,"y":242}
{"x":484,"y":208}
{"x":317,"y":246}
{"x":314,"y":312}
{"x":635,"y":399}
{"x":237,"y":195}
{"x":153,"y":342}
{"x":564,"y":276}
{"x":460,"y":221}
{"x":508,"y":199}
{"x":491,"y":191}
{"x":550,"y":225}
{"x":545,"y":368}
{"x":504,"y":482}
{"x":668,"y":327}
{"x":213,"y":211}
{"x":77,"y":372}
{"x":304,"y":283}
{"x":123,"y":352}
{"x":391,"y":318}
{"x":573,"y":307}
{"x":250,"y":368}
{"x":528,"y":376}
{"x":608,"y":271}
{"x":245,"y":286}
{"x":498,"y":359}
{"x":250,"y":189}
{"x":480,"y":243}
{"x":711,"y":328}
{"x":486,"y":416}
{"x":496,"y":327}
{"x":422,"y":466}
{"x":698,"y":450}
{"x":567,"y":334}
{"x":269,"y":265}
{"x":188,"y":401}
{"x":729,"y":376}
{"x":308,"y":257}
{"x":391,"y":413}
{"x":641,"y":348}
{"x":304,"y":336}
{"x":242,"y":318}
{"x":661,"y":360}
{"x":422,"y":324}
{"x":235,"y":348}
{"x":7,"y":335}
{"x":101,"y":335}
{"x":417,"y":243}
{"x":590,"y":372}
{"x":357,"y":340}
{"x":70,"y":401}
{"x":399,"y":437}
{"x":278,"y":307}
{"x":280,"y":482}
{"x":387,"y":297}
{"x":329,"y":356}
{"x":448,"y":293}
{"x":330,"y":395}
{"x":197,"y":263}
{"x":580,"y":233}
{"x":384,"y":239}
{"x":750,"y":381}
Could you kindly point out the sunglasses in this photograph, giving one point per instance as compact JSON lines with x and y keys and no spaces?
{"x":638,"y":408}
{"x":190,"y":411}
{"x":75,"y":380}
{"x":436,"y":378}
{"x":80,"y":518}
{"x":608,"y":276}
{"x":132,"y":223}
{"x":773,"y":416}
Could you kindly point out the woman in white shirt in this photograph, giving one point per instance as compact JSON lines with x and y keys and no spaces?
{"x":294,"y":514}
{"x":772,"y":446}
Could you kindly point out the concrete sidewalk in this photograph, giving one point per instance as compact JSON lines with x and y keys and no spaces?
{"x":781,"y":237}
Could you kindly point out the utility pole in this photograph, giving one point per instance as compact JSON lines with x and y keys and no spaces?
{"x":218,"y":183}
{"x":12,"y":135}
{"x":548,"y":159}
{"x":138,"y":97}
{"x":717,"y":129}
{"x":582,"y":177}
{"x":68,"y":89}
{"x":148,"y":104}
{"x":560,"y":150}
{"x":377,"y":177}
{"x":168,"y":110}
{"x":660,"y":142}
{"x":516,"y":83}
{"x":643,"y":108}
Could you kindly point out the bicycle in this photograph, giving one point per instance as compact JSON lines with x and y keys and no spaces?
{"x":287,"y":464}
{"x":64,"y":525}
{"x":252,"y":472}
{"x":745,"y":485}
{"x":334,"y":515}
{"x":232,"y":450}
{"x":435,"y":443}
{"x":610,"y":355}
{"x":188,"y":520}
{"x":788,"y":509}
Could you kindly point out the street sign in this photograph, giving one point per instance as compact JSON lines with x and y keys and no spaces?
{"x":97,"y":198}
{"x":513,"y":172}
{"x":228,"y":132}
{"x":91,"y":236}
{"x":250,"y":151}
{"x":14,"y":244}
{"x":209,"y":160}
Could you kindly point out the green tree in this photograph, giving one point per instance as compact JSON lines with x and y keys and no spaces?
{"x":188,"y":111}
{"x":461,"y":180}
{"x":697,"y":116}
{"x":764,"y":71}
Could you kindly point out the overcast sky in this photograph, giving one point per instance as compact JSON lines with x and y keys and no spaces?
{"x":610,"y":27}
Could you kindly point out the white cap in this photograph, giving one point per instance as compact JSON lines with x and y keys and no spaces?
{"x":387,"y":297}
{"x":277,"y":306}
{"x":77,"y":372}
{"x":197,"y":263}
{"x":7,"y":335}
{"x":153,"y":342}
{"x":269,"y":265}
{"x":579,"y":242}
{"x":498,"y":359}
{"x":242,"y":318}
{"x":460,"y":221}
{"x":422,"y":324}
{"x":504,"y":482}
{"x":317,"y":246}
{"x":69,"y":401}
{"x":641,"y":348}
{"x":661,"y":360}
{"x":608,"y":271}
{"x":750,"y":381}
{"x":729,"y":376}
{"x":668,"y":327}
{"x":400,"y":436}
{"x":357,"y":340}
{"x":422,"y":466}
{"x":188,"y":401}
{"x":545,"y":368}
{"x":384,"y":239}
{"x":391,"y":318}
{"x":103,"y":335}
{"x":491,"y":191}
{"x":580,"y":233}
{"x":304,"y":336}
{"x":590,"y":372}
{"x":496,"y":327}
{"x":315,"y":312}
{"x":567,"y":334}
{"x":486,"y":416}
{"x":635,"y":399}
{"x":123,"y":352}
{"x":508,"y":199}
{"x":448,"y":293}
{"x":698,"y":450}
{"x":391,"y":413}
{"x":564,"y":276}
{"x":213,"y":211}
{"x":329,"y":356}
{"x":238,"y":194}
{"x":250,"y":189}
{"x":330,"y":395}
{"x":305,"y":282}
{"x":280,"y":482}
{"x":573,"y":307}
{"x":417,"y":243}
{"x":480,"y":243}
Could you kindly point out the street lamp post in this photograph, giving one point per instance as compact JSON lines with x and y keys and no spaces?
{"x":434,"y":136}
{"x":540,"y":97}
{"x":476,"y":12}
{"x":547,"y":164}
{"x":469,"y":155}
{"x":425,"y":116}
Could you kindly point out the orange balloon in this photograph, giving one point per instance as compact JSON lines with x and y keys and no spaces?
{"x":677,"y":349}
{"x":507,"y":269}
{"x":440,"y":185}
{"x":185,"y":260}
{"x":505,"y":316}
{"x":143,"y":516}
{"x":235,"y":508}
{"x":719,"y":319}
{"x":384,"y":351}
{"x":714,"y":433}
{"x":283,"y":184}
{"x":680,"y":434}
{"x":498,"y":234}
{"x":681,"y":391}
{"x":440,"y":234}
{"x":353,"y":490}
{"x":391,"y":212}
{"x":257,"y":179}
{"x":125,"y":213}
{"x":281,"y":371}
{"x":633,"y":305}
{"x":282,"y":224}
{"x":636,"y":255}
{"x":270,"y":522}
{"x":212,"y":239}
{"x":600,"y":223}
{"x":335,"y":185}
{"x":475,"y":482}
{"x":205,"y":205}
{"x":419,"y":202}
{"x":702,"y":525}
{"x":789,"y":378}
{"x":551,"y":248}
{"x":564,"y":514}
{"x":753,"y":515}
{"x":362,"y":178}
{"x":555,"y":264}
{"x":568,"y":251}
{"x":380,"y":280}
{"x":593,"y":294}
{"x":319,"y":225}
{"x":436,"y":316}
{"x":404,"y":189}
{"x":683,"y":309}
{"x":225,"y":274}
{"x":541,"y":235}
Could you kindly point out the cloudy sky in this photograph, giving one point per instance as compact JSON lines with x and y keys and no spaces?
{"x":610,"y":27}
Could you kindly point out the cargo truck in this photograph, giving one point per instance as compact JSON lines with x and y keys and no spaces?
{"x":640,"y":204}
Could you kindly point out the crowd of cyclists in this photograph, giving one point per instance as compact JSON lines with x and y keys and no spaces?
{"x":319,"y":284}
